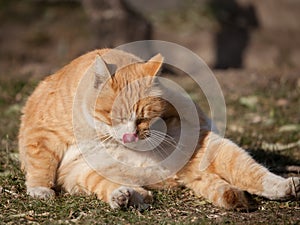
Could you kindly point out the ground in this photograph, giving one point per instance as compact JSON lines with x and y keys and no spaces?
{"x":262,"y":112}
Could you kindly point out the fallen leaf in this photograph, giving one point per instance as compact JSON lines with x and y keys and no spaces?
{"x":249,"y":101}
{"x":289,"y":128}
{"x":15,"y":108}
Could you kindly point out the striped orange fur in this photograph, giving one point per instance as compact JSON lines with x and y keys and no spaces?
{"x":48,"y":139}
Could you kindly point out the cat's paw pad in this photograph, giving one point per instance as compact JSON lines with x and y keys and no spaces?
{"x":40,"y":192}
{"x":120,"y":198}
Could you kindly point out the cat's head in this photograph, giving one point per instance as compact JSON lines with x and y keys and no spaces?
{"x":129,"y":98}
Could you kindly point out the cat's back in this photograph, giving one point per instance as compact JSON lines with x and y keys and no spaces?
{"x":50,"y":105}
{"x":60,"y":86}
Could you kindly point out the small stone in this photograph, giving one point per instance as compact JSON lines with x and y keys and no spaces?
{"x":282,"y":102}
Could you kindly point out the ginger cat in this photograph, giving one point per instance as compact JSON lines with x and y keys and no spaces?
{"x":59,"y":146}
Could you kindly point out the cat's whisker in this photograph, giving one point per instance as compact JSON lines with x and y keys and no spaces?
{"x":162,"y":134}
{"x":153,"y":143}
{"x":166,"y":138}
{"x":157,"y":148}
{"x":163,"y":139}
{"x":103,"y":138}
{"x":158,"y":144}
{"x":169,"y":141}
{"x":156,"y":138}
{"x":106,"y":140}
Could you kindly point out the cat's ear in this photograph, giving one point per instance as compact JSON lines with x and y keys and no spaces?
{"x":153,"y":66}
{"x":101,"y":71}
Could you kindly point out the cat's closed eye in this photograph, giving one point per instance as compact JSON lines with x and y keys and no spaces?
{"x":143,"y":119}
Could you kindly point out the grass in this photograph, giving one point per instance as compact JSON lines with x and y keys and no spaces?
{"x":248,"y":125}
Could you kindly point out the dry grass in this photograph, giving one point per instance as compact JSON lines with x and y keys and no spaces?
{"x":249,"y":125}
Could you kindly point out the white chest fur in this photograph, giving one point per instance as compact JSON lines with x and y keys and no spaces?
{"x":119,"y":163}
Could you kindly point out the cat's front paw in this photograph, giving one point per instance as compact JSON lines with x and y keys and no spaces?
{"x":123,"y":197}
{"x":40,"y":192}
{"x":120,"y":197}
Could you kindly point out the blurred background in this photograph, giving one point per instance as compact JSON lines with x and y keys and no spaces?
{"x":252,"y":46}
{"x":39,"y":36}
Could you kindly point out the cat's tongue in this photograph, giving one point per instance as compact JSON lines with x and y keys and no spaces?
{"x":130,"y":137}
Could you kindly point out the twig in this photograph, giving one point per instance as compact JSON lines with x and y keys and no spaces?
{"x":10,"y":192}
{"x":31,"y":214}
{"x":18,"y":215}
{"x":278,"y":146}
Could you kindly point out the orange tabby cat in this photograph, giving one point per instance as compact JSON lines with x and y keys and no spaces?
{"x":57,"y":140}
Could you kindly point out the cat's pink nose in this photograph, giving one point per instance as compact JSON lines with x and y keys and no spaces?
{"x":130,"y":137}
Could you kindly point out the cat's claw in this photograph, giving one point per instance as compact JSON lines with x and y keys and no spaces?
{"x":288,"y":189}
{"x":120,"y":197}
{"x":294,"y":187}
{"x":40,"y":192}
{"x":123,"y":197}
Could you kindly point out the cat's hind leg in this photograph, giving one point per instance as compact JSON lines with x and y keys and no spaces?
{"x":217,"y":190}
{"x":239,"y":169}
